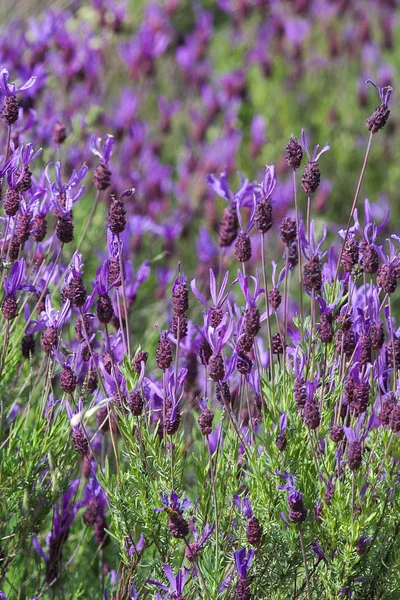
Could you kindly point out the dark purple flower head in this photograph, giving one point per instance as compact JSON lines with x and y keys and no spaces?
{"x":243,"y":560}
{"x":102,"y":148}
{"x":10,"y":89}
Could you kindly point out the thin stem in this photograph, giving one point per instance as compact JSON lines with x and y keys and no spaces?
{"x":285,"y":311}
{"x":197,"y":567}
{"x":360,"y":179}
{"x":303,"y":551}
{"x":296,"y":204}
{"x":215,"y":501}
{"x":171,"y":454}
{"x":121,"y":324}
{"x":271,"y":362}
{"x":42,"y":295}
{"x":393,"y":350}
{"x":5,"y":346}
{"x":119,"y":395}
{"x":124,"y":300}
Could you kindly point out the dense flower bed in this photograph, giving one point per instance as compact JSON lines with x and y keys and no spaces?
{"x":199,"y":370}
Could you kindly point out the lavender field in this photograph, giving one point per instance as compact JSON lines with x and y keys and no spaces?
{"x":199,"y":324}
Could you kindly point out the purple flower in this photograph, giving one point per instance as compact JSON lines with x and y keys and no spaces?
{"x":243,"y":560}
{"x":135,"y":548}
{"x":64,"y":515}
{"x":173,"y":503}
{"x":222,"y":189}
{"x":317,"y":549}
{"x":52,"y":317}
{"x":315,"y":155}
{"x":199,"y":541}
{"x":13,"y":281}
{"x":384,"y":92}
{"x":102,"y":285}
{"x":219,"y":336}
{"x":297,"y":511}
{"x":176,"y":584}
{"x":244,"y":505}
{"x":267,"y":186}
{"x":102,"y":148}
{"x":219,"y":297}
{"x":10,"y":89}
{"x":311,"y":247}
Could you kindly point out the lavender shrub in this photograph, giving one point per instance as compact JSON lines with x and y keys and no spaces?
{"x":226,"y":431}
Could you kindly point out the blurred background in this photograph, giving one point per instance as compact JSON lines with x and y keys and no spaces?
{"x":195,"y":87}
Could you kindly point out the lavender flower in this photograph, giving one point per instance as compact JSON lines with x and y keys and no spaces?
{"x":64,"y":515}
{"x":297,"y":511}
{"x":379,"y":117}
{"x":312,"y":175}
{"x":176,"y":583}
{"x":243,"y":560}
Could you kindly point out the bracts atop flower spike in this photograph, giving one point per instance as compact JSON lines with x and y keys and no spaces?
{"x":243,"y":560}
{"x":10,"y":110}
{"x":312,"y":175}
{"x":177,"y":524}
{"x":379,"y":117}
{"x":102,"y":174}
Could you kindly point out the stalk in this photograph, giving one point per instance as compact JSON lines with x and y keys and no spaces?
{"x":5,"y":346}
{"x":303,"y":551}
{"x":198,"y":570}
{"x":296,"y":204}
{"x":285,"y":310}
{"x":271,"y":362}
{"x":214,"y":489}
{"x":125,"y":303}
{"x":360,"y":179}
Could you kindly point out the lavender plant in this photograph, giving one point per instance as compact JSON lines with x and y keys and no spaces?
{"x":225,"y":429}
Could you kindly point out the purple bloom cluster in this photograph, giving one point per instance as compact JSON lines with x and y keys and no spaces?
{"x":279,"y":355}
